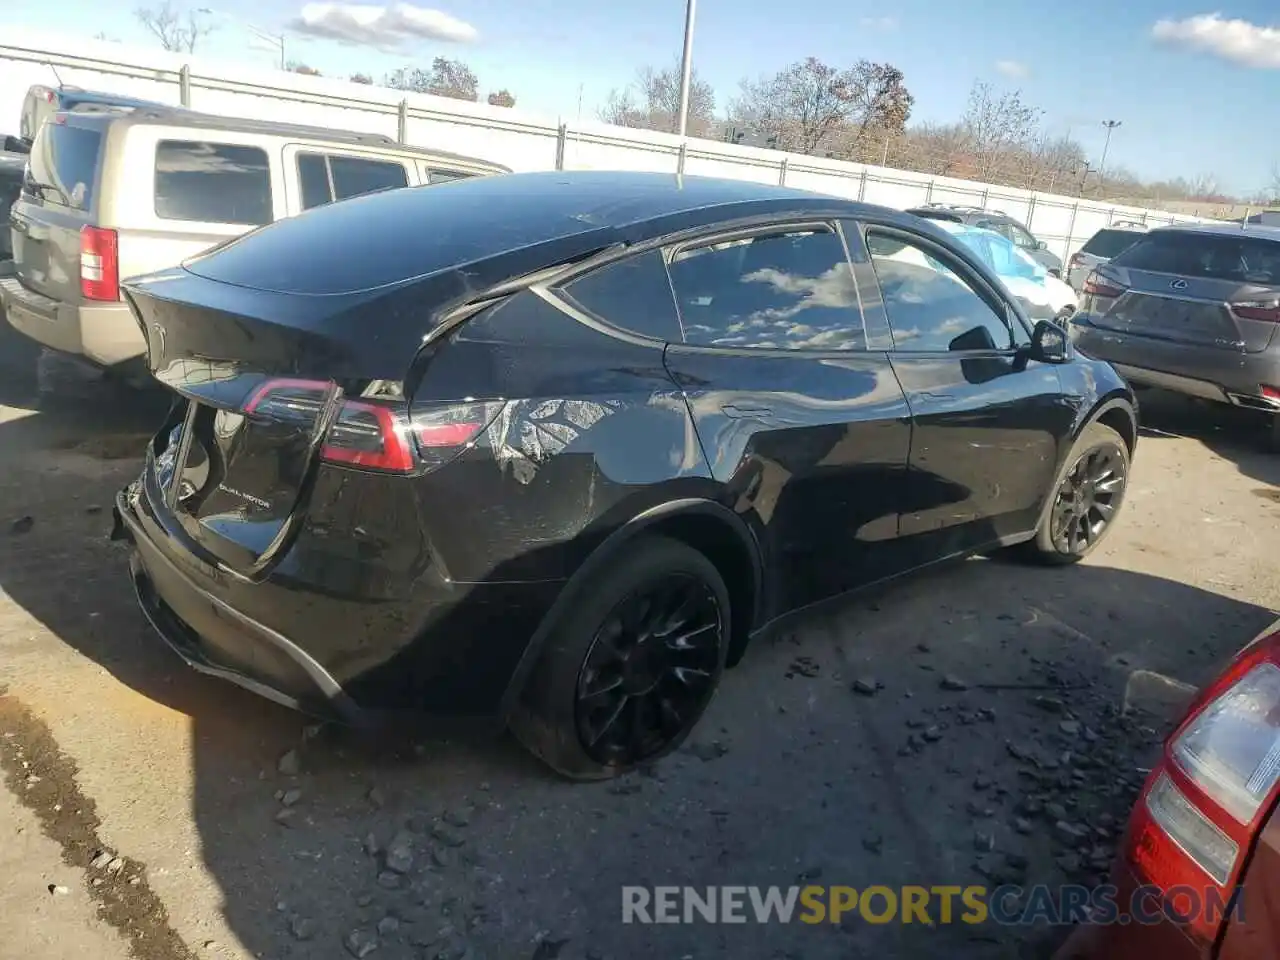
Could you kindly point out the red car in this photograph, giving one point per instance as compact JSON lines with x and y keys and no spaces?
{"x":1199,"y":873}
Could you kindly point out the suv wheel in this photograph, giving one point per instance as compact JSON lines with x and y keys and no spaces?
{"x":1086,"y":497}
{"x":629,"y":670}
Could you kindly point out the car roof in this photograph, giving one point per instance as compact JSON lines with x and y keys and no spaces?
{"x":511,"y":224}
{"x":144,"y":114}
{"x":1221,"y":229}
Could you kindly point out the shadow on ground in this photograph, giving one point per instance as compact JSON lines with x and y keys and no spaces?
{"x":793,"y":777}
{"x":1234,"y":434}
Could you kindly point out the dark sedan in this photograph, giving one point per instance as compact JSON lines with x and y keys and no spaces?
{"x":550,"y":449}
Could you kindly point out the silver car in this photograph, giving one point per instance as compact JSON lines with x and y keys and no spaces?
{"x":1192,"y":308}
{"x":1101,"y":247}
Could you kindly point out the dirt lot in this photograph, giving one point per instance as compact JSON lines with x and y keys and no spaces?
{"x":153,"y":812}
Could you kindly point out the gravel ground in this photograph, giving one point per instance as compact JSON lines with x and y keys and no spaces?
{"x":966,"y":726}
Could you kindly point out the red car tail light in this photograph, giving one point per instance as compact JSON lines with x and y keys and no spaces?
{"x":378,"y":434}
{"x":1095,"y":286}
{"x":1265,"y":310}
{"x":99,"y":264}
{"x":1206,"y":801}
{"x":1075,"y":261}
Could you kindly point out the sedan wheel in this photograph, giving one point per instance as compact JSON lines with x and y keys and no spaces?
{"x":1086,"y":499}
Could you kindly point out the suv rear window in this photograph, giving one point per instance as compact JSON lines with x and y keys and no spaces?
{"x":326,"y":178}
{"x":1110,"y":243}
{"x":64,"y":164}
{"x":212,"y":182}
{"x":1205,"y":255}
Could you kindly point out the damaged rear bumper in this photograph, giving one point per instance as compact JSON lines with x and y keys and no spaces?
{"x":218,"y":640}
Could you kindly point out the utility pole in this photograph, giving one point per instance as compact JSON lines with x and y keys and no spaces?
{"x":686,"y":66}
{"x":1110,"y":125}
{"x":1084,"y":176}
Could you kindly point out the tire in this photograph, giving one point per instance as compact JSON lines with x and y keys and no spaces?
{"x":1097,"y":439}
{"x":552,"y":719}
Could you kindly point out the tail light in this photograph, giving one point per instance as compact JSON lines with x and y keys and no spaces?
{"x":1266,"y":310}
{"x":1207,"y":800}
{"x":1075,"y":261}
{"x":99,"y":264}
{"x":379,"y":432}
{"x":1096,"y":286}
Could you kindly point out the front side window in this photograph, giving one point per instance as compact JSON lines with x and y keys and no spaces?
{"x":931,"y":307}
{"x":790,"y":290}
{"x":212,"y":182}
{"x":633,"y":294}
{"x":328,"y":177}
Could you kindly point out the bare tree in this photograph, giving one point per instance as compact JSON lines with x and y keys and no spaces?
{"x":453,"y":78}
{"x":363,"y":78}
{"x":178,"y":31}
{"x":937,"y":148}
{"x":652,"y":101}
{"x":997,"y":124}
{"x":811,"y":106}
{"x":403,"y":78}
{"x":502,"y":98}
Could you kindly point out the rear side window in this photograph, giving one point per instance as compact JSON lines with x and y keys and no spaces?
{"x":64,"y":164}
{"x":633,"y":294}
{"x":1206,"y":256}
{"x":328,"y":177}
{"x":784,"y":291}
{"x":1110,"y":243}
{"x":444,"y":176}
{"x":212,"y":182}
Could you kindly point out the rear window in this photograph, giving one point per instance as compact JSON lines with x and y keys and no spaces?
{"x":1207,"y":256}
{"x":212,"y":182}
{"x":444,"y":176}
{"x":326,"y":177}
{"x":1110,"y":243}
{"x":64,"y":165}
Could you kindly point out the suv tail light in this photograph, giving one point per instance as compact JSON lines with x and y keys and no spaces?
{"x":1075,"y":261}
{"x":1208,"y":798}
{"x":379,"y":433}
{"x":1097,"y":286}
{"x":99,"y":264}
{"x":1267,"y":310}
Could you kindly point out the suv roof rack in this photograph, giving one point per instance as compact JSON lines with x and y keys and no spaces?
{"x":1129,"y":223}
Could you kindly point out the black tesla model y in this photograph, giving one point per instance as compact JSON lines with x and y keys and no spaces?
{"x":549,"y":449}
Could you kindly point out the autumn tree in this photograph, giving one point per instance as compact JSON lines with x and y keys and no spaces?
{"x":178,"y":31}
{"x":812,"y":106}
{"x":502,"y":98}
{"x":652,"y":101}
{"x":997,"y":124}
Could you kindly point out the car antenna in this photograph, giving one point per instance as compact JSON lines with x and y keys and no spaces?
{"x":61,"y":86}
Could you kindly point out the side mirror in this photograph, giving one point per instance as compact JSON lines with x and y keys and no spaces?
{"x":1041,"y":245}
{"x":1049,"y":343}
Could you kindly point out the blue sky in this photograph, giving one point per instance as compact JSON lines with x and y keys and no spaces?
{"x":1194,"y":96}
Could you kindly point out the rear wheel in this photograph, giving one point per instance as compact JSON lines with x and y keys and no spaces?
{"x":630,"y":668}
{"x":1086,"y":498}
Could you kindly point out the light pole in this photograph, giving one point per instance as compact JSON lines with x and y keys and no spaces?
{"x":1110,"y":125}
{"x":686,"y":66}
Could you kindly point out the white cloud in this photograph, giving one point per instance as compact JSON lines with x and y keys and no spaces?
{"x":1012,"y":68}
{"x":390,"y":28}
{"x":1237,"y":41}
{"x":879,"y":23}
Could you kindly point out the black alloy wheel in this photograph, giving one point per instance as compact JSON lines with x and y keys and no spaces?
{"x":630,"y":661}
{"x":1087,"y":499}
{"x":650,"y":670}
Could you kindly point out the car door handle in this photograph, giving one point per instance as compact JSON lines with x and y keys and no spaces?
{"x":735,"y":412}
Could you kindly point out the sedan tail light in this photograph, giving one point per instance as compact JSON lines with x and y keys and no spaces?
{"x":1266,"y":310}
{"x":1207,"y":800}
{"x":379,"y":433}
{"x":1098,"y":286}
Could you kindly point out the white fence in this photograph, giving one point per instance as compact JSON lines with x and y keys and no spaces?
{"x":520,"y":140}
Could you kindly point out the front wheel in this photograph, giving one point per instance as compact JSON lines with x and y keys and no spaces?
{"x":630,"y":668}
{"x":1086,"y":498}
